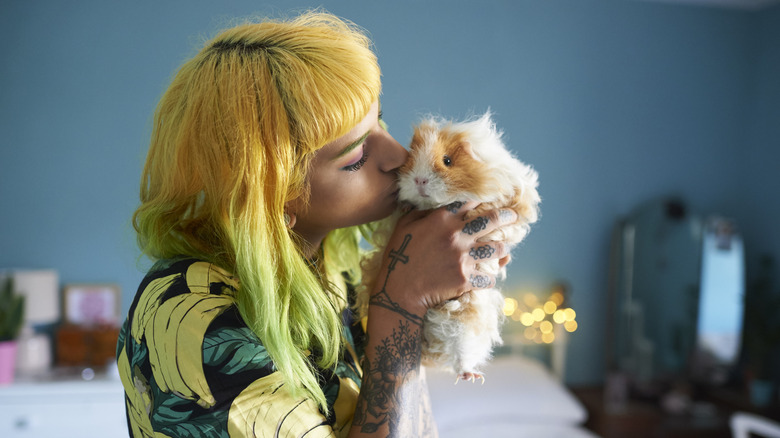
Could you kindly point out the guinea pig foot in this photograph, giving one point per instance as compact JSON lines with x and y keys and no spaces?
{"x":472,"y":377}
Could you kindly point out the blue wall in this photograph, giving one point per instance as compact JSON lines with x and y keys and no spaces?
{"x":760,"y":201}
{"x":614,"y":102}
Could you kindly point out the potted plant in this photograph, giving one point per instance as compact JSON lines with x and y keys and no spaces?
{"x":11,"y":319}
{"x":762,"y":332}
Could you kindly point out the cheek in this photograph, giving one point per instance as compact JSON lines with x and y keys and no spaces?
{"x":322,"y":195}
{"x":351,"y":199}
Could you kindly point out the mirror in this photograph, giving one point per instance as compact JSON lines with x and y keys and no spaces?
{"x":676,"y":292}
{"x":719,"y":327}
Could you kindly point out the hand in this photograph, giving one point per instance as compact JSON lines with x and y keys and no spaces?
{"x":432,"y":257}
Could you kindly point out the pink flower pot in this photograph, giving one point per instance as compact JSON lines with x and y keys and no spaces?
{"x":7,"y":362}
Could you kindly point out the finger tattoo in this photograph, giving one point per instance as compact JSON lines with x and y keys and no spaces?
{"x":479,"y":281}
{"x":482,"y":252}
{"x":455,"y":206}
{"x":476,"y":225}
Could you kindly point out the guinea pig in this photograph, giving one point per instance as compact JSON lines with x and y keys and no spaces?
{"x":453,"y":162}
{"x":449,"y":163}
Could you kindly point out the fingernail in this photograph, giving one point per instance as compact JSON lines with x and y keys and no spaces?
{"x":507,"y":216}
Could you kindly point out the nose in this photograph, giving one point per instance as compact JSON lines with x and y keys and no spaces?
{"x":420,"y":181}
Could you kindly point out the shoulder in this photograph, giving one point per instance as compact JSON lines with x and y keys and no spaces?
{"x":184,"y":353}
{"x":178,"y":307}
{"x":187,"y":275}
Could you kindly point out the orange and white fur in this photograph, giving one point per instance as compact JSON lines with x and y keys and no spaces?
{"x":453,"y":162}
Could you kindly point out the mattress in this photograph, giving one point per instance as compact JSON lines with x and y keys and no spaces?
{"x":519,"y":398}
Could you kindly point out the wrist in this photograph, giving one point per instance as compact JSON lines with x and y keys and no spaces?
{"x":387,"y":307}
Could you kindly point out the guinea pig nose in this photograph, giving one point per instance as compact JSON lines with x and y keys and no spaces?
{"x":421,"y":181}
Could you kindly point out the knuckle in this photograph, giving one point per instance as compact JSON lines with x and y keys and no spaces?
{"x":501,"y":249}
{"x":463,"y":280}
{"x":451,"y":238}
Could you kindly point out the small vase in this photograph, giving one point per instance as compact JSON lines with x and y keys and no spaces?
{"x":7,"y":362}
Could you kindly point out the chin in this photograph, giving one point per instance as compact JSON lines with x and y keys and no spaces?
{"x":382,"y":213}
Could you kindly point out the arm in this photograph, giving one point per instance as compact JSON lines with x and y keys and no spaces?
{"x":426,"y":263}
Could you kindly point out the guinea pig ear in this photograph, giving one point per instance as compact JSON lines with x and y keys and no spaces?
{"x":465,"y":146}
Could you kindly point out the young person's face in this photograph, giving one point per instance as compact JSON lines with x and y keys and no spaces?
{"x":353,"y":180}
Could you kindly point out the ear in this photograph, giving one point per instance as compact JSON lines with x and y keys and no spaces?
{"x":291,"y":209}
{"x":464,"y":145}
{"x":290,"y":219}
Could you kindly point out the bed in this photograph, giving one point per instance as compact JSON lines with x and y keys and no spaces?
{"x":520,"y":398}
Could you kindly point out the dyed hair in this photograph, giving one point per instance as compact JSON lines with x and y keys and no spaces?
{"x":232,"y":142}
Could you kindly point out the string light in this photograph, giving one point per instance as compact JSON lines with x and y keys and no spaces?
{"x":510,"y":305}
{"x":540,"y":317}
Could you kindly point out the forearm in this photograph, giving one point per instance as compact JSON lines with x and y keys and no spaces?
{"x":389,"y":404}
{"x":393,"y":396}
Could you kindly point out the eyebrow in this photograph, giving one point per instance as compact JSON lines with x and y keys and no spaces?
{"x":352,"y":146}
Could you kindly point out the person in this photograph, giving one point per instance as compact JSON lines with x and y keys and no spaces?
{"x":269,"y":163}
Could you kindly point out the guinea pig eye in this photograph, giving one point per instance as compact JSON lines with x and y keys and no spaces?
{"x":447,"y":161}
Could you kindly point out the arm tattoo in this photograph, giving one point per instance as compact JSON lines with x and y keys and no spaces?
{"x":382,"y":299}
{"x":396,"y":361}
{"x":476,"y":225}
{"x":479,"y":281}
{"x":482,"y":252}
{"x":455,"y":206}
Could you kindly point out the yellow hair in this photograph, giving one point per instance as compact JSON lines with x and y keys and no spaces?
{"x":232,"y":141}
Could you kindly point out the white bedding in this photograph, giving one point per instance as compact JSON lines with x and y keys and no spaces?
{"x":520,"y":398}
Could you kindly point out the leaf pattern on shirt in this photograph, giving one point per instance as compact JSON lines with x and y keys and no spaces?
{"x":184,"y":334}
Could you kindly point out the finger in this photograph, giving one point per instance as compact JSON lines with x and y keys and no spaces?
{"x":489,"y":221}
{"x":460,"y":206}
{"x":507,"y":216}
{"x":488,"y":250}
{"x":412,"y":216}
{"x":480,"y":280}
{"x":503,"y":261}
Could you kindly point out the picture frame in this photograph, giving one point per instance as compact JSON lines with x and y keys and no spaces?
{"x":91,"y":304}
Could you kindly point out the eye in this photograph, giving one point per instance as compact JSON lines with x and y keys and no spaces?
{"x":447,"y":161}
{"x":357,"y":164}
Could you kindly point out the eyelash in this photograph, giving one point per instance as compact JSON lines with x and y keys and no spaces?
{"x":358,"y":164}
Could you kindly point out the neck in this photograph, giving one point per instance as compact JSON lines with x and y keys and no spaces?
{"x":311,"y":247}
